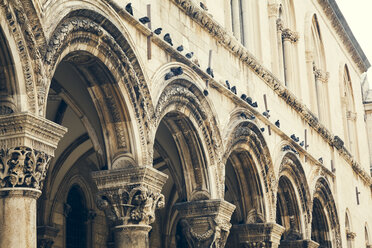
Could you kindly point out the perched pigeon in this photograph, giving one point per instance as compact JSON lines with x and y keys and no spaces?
{"x":144,"y":20}
{"x":227,"y":84}
{"x":205,"y":92}
{"x":168,"y":39}
{"x":189,"y":55}
{"x":158,"y":31}
{"x":277,"y":123}
{"x":177,"y":70}
{"x":233,"y":89}
{"x":210,"y":72}
{"x":243,"y":97}
{"x":180,"y":48}
{"x":129,"y":9}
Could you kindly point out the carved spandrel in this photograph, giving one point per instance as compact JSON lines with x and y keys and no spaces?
{"x":23,"y":167}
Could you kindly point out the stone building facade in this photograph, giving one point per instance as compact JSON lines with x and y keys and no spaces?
{"x":217,"y":124}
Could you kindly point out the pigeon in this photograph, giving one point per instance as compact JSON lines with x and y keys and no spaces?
{"x":168,"y":39}
{"x":243,"y":97}
{"x":129,"y":9}
{"x":277,"y":123}
{"x":249,"y":100}
{"x":144,"y":20}
{"x":158,"y":31}
{"x":189,"y":55}
{"x":180,"y":48}
{"x":169,"y":75}
{"x":203,"y":6}
{"x":254,"y":105}
{"x":227,"y":84}
{"x":243,"y":115}
{"x":233,"y":90}
{"x":177,"y":70}
{"x":293,"y":137}
{"x":320,"y":160}
{"x":302,"y":143}
{"x":262,"y":129}
{"x":266,"y":113}
{"x":205,"y":92}
{"x":210,"y":72}
{"x":252,"y":117}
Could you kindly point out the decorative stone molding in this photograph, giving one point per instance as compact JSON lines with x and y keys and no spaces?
{"x":259,"y":235}
{"x":130,"y":196}
{"x":46,"y":236}
{"x":320,"y":75}
{"x":290,"y":35}
{"x":350,"y":115}
{"x":279,"y":25}
{"x":28,"y":130}
{"x":273,"y":9}
{"x":350,"y":235}
{"x":205,"y":223}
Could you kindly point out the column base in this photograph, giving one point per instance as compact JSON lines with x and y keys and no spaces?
{"x":131,"y":236}
{"x":298,"y":244}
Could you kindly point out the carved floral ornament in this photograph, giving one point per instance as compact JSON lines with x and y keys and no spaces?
{"x":131,"y":205}
{"x":23,"y":167}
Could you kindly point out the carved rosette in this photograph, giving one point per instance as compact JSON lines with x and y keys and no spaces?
{"x":23,"y":167}
{"x":130,"y":196}
{"x":259,"y":235}
{"x":205,"y":223}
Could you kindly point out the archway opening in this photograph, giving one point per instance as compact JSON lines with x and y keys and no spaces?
{"x":319,"y":226}
{"x":178,"y":153}
{"x":287,"y":211}
{"x":243,"y":189}
{"x":76,"y":228}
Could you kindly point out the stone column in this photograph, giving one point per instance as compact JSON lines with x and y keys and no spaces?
{"x":321,"y":78}
{"x":259,"y":235}
{"x":129,"y":198}
{"x":205,"y":223}
{"x":27,"y":144}
{"x":289,"y":37}
{"x":273,"y":10}
{"x":236,"y":22}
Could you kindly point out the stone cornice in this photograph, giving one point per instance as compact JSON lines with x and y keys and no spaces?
{"x":29,"y":130}
{"x":230,"y":42}
{"x":342,"y":29}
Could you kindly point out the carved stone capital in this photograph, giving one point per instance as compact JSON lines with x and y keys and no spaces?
{"x":259,"y":235}
{"x":279,"y":25}
{"x":289,"y":35}
{"x":320,"y":75}
{"x":299,"y":244}
{"x":130,"y":196}
{"x":350,"y":235}
{"x":350,"y":115}
{"x":27,"y":143}
{"x":205,"y":223}
{"x":273,"y":9}
{"x":46,"y":236}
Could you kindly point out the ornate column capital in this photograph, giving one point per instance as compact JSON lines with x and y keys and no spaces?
{"x":279,"y":25}
{"x":130,"y":196}
{"x":259,"y":235}
{"x":289,"y":35}
{"x":27,"y":143}
{"x":320,"y":75}
{"x":46,"y":236}
{"x":206,"y":223}
{"x":350,"y":235}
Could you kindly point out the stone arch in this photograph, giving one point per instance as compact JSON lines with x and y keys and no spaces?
{"x":325,"y":222}
{"x":292,"y":176}
{"x":126,"y":99}
{"x":186,"y":146}
{"x":244,"y":137}
{"x":184,"y":100}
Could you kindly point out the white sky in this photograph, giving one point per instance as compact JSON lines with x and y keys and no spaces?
{"x":358,"y":14}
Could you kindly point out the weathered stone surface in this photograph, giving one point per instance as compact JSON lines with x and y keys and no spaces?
{"x":205,"y":223}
